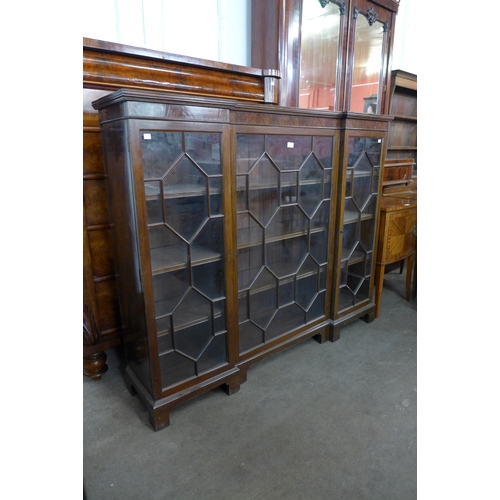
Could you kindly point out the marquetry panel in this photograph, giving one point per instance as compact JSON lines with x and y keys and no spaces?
{"x":400,"y":235}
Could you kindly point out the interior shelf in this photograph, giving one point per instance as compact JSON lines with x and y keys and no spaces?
{"x":350,"y":217}
{"x":356,"y":256}
{"x":281,"y":237}
{"x":166,"y":259}
{"x":190,"y":314}
{"x":177,"y":191}
{"x":270,"y":286}
{"x":255,"y":187}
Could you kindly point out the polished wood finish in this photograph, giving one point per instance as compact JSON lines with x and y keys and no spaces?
{"x":112,"y":66}
{"x":106,"y":67}
{"x":396,"y":240}
{"x":397,"y":172}
{"x":129,"y":216}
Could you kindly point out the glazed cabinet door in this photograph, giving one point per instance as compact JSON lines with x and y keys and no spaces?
{"x":183,"y":193}
{"x":361,"y":188}
{"x":283,"y":191}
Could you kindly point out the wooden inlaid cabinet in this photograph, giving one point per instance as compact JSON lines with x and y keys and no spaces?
{"x":223,"y":236}
{"x":396,"y":240}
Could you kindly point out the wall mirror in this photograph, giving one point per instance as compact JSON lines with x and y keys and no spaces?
{"x":319,"y":49}
{"x":368,"y":61}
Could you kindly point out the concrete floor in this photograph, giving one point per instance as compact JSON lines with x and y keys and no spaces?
{"x":315,"y":422}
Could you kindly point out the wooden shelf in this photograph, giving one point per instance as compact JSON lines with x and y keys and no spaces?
{"x":355,"y":257}
{"x":281,"y":237}
{"x":192,"y":311}
{"x":267,"y":187}
{"x":177,"y":191}
{"x":350,"y":217}
{"x":167,"y":259}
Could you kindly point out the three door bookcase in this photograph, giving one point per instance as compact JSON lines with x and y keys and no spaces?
{"x":238,"y":230}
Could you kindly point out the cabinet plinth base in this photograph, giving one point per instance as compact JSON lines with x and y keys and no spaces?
{"x":159,"y":410}
{"x":320,"y":333}
{"x":366,"y":313}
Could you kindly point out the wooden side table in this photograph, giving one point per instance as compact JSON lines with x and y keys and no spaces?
{"x":397,"y":238}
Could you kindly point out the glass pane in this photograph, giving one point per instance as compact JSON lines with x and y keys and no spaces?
{"x":153,"y":202}
{"x":284,"y":231}
{"x":250,"y":336}
{"x":209,"y":279}
{"x":186,"y":203}
{"x":323,"y":149}
{"x":169,"y":288}
{"x":367,"y":65}
{"x":185,"y":225}
{"x":249,"y":148}
{"x":288,"y":152}
{"x":250,"y":262}
{"x":263,"y":299}
{"x":286,"y":292}
{"x":263,"y":190}
{"x":215,"y":187}
{"x":159,"y":151}
{"x":284,"y":257}
{"x":285,"y":320}
{"x":175,"y":368}
{"x":316,"y":310}
{"x":214,"y":354}
{"x":307,"y":284}
{"x":207,"y":245}
{"x":320,"y":28}
{"x":204,"y":149}
{"x":289,"y":220}
{"x":311,"y":186}
{"x":241,"y":193}
{"x":319,"y":246}
{"x":167,"y":250}
{"x":288,"y":187}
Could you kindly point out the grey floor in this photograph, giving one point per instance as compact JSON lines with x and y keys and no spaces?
{"x":314,"y":422}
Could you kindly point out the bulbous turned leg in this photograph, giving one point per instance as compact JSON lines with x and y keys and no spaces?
{"x":94,"y":365}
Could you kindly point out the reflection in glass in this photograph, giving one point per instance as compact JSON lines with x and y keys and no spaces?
{"x":367,"y":65}
{"x":320,"y":28}
{"x":359,"y":220}
{"x":183,"y":191}
{"x":282,"y":233}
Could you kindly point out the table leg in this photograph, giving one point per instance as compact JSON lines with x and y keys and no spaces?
{"x":379,"y":283}
{"x":409,"y":269}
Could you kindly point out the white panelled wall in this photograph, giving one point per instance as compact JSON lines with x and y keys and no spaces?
{"x":217,"y":30}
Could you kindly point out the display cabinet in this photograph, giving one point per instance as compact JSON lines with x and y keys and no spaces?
{"x":223,"y":234}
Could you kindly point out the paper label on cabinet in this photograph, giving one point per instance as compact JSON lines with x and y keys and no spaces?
{"x":290,"y":145}
{"x":146,"y":136}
